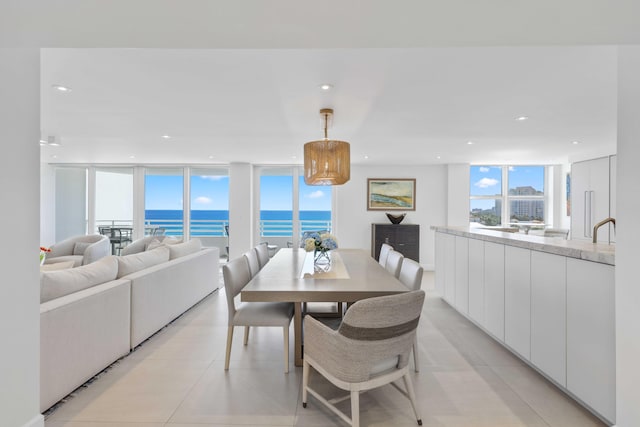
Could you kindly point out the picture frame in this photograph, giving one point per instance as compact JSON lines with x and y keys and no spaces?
{"x":391,"y":194}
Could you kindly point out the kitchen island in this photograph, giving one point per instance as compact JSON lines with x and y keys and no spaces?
{"x":550,"y":301}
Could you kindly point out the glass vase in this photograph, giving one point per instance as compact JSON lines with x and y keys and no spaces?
{"x":321,"y":256}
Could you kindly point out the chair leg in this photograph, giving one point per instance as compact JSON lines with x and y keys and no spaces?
{"x":412,"y":396}
{"x":229,"y":341}
{"x":246,"y":335}
{"x":286,"y":349}
{"x":416,"y":367}
{"x":355,"y":409}
{"x":305,"y":382}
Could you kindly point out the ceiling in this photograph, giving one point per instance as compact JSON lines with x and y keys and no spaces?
{"x":394,"y":105}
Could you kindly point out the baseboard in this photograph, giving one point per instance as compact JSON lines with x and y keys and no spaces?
{"x":37,"y":421}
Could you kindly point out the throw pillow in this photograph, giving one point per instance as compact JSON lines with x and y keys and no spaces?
{"x":58,"y":283}
{"x":153,"y":244}
{"x":80,"y":247}
{"x":131,"y":263}
{"x":186,"y":248}
{"x":172,"y":240}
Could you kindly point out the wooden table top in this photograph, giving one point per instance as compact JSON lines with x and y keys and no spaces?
{"x":286,"y":278}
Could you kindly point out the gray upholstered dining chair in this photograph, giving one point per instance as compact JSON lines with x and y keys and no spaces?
{"x":411,"y":276}
{"x":384,"y":253}
{"x":370,"y":349}
{"x":279,"y":314}
{"x":394,"y":263}
{"x":262,"y":251}
{"x":252,"y":259}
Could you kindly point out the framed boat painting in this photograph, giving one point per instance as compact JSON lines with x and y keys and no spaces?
{"x":391,"y":194}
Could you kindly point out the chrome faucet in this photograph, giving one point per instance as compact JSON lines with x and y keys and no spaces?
{"x":600,"y":224}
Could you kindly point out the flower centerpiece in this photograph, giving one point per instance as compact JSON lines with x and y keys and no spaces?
{"x":320,"y":244}
{"x":43,"y":254}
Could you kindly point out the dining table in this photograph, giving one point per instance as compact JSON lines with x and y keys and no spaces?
{"x":292,"y":275}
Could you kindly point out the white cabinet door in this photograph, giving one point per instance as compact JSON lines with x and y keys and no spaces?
{"x":462,"y":274}
{"x":613,"y":170}
{"x":548,"y":315}
{"x":450,"y":268}
{"x":439,"y":263}
{"x":591,"y":358}
{"x":476,"y":280}
{"x":494,"y":289}
{"x":517,"y":300}
{"x":589,"y":198}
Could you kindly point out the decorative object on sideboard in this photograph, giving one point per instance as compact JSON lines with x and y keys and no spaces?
{"x":326,"y":161}
{"x":391,"y":194}
{"x":396,"y":219}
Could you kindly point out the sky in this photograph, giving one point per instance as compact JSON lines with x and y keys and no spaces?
{"x":487,"y":180}
{"x":212,"y":193}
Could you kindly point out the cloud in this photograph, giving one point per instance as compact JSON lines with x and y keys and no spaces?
{"x":316,"y":194}
{"x":511,"y":169}
{"x":484,"y":169}
{"x":486,"y":182}
{"x":212,"y":177}
{"x":203,"y":200}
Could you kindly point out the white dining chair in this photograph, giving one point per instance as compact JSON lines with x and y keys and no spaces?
{"x":411,"y":276}
{"x":394,"y":263}
{"x":279,"y":314}
{"x":370,"y":349}
{"x":384,"y":253}
{"x":252,"y":260}
{"x":262,"y":251}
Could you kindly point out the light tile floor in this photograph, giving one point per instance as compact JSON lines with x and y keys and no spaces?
{"x":176,"y":379}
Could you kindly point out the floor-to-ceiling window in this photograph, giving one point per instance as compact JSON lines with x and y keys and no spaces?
{"x":163,"y":200}
{"x":114,"y":197}
{"x":209,"y":200}
{"x":314,"y":203}
{"x":276,"y":205}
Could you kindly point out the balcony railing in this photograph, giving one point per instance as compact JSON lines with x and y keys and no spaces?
{"x":216,"y":227}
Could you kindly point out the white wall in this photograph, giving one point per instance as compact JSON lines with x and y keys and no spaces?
{"x":240,"y":209}
{"x":627,"y":238}
{"x":47,"y":205}
{"x":458,"y":194}
{"x":20,"y":192}
{"x":354,"y":221}
{"x":71,"y":202}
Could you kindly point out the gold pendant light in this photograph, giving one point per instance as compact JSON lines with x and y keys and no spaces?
{"x":327,"y":161}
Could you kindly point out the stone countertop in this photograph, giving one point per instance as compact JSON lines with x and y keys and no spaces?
{"x":580,"y":249}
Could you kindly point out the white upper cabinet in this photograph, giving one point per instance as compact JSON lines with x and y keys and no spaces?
{"x":590,"y":198}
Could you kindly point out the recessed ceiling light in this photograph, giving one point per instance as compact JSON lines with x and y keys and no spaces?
{"x":326,"y":86}
{"x":522,"y":118}
{"x":54,"y":157}
{"x":438,"y":157}
{"x":366,"y":157}
{"x":61,"y":88}
{"x":132,"y":157}
{"x":469,"y":142}
{"x":575,"y":142}
{"x":211,"y":157}
{"x":166,"y":136}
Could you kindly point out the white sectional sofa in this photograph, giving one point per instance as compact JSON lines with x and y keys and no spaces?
{"x":112,"y":305}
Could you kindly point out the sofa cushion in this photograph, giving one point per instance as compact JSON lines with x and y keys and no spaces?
{"x":186,"y":248}
{"x":54,"y":284}
{"x":80,"y":247}
{"x":76,"y":259}
{"x":135,"y":262}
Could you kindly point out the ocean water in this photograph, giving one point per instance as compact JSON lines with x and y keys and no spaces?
{"x":275,"y":223}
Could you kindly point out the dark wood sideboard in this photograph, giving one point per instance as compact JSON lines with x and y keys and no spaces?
{"x":405,"y":238}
